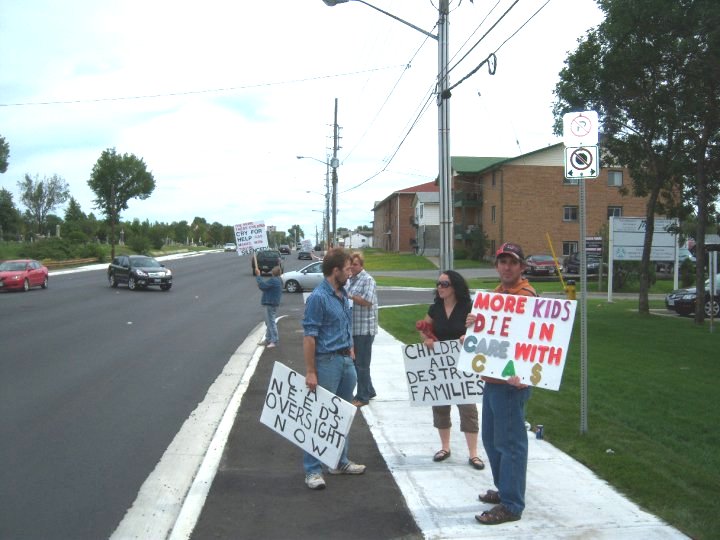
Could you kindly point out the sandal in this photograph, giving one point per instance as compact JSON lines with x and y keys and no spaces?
{"x":497,"y":515}
{"x":476,"y":463}
{"x":441,"y":455}
{"x":490,"y":497}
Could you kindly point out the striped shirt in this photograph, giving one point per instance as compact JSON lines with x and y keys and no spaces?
{"x":365,"y":318}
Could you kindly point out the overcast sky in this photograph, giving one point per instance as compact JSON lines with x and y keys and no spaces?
{"x":219,"y":97}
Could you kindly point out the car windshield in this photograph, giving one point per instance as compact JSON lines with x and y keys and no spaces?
{"x":542,"y":258}
{"x":146,"y":262}
{"x":12,"y":266}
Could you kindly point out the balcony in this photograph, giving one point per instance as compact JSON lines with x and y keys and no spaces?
{"x":467,"y":199}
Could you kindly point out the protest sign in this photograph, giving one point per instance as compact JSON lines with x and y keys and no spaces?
{"x":250,"y":237}
{"x":525,"y":336}
{"x":306,"y":245}
{"x":433,"y":376}
{"x":318,"y":422}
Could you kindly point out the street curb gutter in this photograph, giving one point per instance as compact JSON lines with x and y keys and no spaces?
{"x":171,"y":498}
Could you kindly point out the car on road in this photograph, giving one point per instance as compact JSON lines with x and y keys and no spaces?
{"x":682,"y":301}
{"x":22,"y":274}
{"x":230,"y":247}
{"x":540,"y":265}
{"x":306,"y":255}
{"x":139,"y":272}
{"x":267,"y":259}
{"x":305,"y":279}
{"x":285,"y":249}
{"x":572,"y":263}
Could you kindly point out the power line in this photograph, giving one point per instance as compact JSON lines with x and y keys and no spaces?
{"x":198,"y":92}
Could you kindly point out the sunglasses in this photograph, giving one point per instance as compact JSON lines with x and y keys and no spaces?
{"x":443,"y":284}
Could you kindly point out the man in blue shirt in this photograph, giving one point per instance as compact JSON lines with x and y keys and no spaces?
{"x":328,"y":353}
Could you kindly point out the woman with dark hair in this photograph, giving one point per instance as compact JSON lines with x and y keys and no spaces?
{"x":446,"y":317}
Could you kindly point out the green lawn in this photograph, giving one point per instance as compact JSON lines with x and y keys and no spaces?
{"x":652,"y":402}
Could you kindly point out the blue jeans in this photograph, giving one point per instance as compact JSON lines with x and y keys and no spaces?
{"x":335,"y":373}
{"x":271,"y":333}
{"x":363,"y":355}
{"x":506,"y":441}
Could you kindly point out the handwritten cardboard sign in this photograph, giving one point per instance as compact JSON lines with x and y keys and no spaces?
{"x":250,"y":237}
{"x":318,"y":422}
{"x":433,"y":376}
{"x":519,"y":335}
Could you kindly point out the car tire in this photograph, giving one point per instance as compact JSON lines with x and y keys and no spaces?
{"x":26,"y":285}
{"x":165,"y":287}
{"x":45,"y":283}
{"x":712,"y":308}
{"x":292,"y":286}
{"x":112,"y":281}
{"x":132,"y":283}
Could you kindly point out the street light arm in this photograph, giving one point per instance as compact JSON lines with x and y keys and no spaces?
{"x":411,"y":25}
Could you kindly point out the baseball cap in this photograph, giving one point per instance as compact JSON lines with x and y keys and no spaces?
{"x":510,"y":249}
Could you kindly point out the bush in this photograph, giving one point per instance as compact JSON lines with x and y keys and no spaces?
{"x":626,"y":275}
{"x":460,"y":254}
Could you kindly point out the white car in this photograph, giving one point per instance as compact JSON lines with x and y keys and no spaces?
{"x":230,"y":247}
{"x":304,"y":279}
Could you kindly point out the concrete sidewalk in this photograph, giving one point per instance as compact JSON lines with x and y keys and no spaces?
{"x":564,"y":498}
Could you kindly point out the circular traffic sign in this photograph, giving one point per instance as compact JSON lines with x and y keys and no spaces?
{"x":581,"y":158}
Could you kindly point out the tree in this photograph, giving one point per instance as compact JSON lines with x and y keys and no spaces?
{"x":9,"y":214}
{"x":115,"y":179}
{"x":650,"y":70}
{"x":295,"y":233}
{"x":41,"y":197}
{"x":4,"y":154}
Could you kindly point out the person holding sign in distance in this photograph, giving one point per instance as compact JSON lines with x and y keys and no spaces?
{"x":328,"y":351}
{"x":447,"y":318}
{"x":271,"y":294}
{"x":504,"y":434}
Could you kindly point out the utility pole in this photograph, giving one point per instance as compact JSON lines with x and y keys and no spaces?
{"x":334,"y":164}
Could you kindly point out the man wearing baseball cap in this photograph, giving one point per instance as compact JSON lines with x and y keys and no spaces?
{"x":504,"y":434}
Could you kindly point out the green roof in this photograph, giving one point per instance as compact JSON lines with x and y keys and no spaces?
{"x":467,"y":164}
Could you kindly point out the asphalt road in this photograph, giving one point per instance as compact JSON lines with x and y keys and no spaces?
{"x":95,"y":382}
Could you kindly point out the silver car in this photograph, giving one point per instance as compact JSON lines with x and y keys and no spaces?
{"x":304,"y":279}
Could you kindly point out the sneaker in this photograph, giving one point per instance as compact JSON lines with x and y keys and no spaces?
{"x":359,"y":403}
{"x":348,"y":468}
{"x":270,"y":346}
{"x":315,"y":481}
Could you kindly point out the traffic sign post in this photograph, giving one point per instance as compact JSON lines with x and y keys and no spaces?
{"x":582,"y":161}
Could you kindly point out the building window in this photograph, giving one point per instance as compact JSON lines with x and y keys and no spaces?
{"x":492,"y":214}
{"x":614,"y":211}
{"x":615,"y":178}
{"x":569,"y":248}
{"x":570,"y":213}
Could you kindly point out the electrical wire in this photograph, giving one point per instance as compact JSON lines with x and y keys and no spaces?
{"x":198,"y":92}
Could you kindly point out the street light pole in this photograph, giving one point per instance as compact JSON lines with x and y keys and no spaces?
{"x":334,"y":163}
{"x":443,"y":83}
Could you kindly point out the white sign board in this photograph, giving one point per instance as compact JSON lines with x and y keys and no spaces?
{"x":525,"y":336}
{"x":582,"y":162}
{"x":318,"y":422}
{"x":580,"y":128}
{"x":306,"y":245}
{"x":627,"y":236}
{"x":250,"y":237}
{"x":433,"y":377}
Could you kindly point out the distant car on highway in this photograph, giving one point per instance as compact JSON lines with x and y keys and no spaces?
{"x":306,"y":255}
{"x":267,"y":259}
{"x":305,"y":279}
{"x":139,"y":272}
{"x":285,"y":249}
{"x":22,"y":274}
{"x":230,"y":247}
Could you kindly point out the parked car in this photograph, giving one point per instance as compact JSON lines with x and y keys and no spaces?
{"x":284,"y":249}
{"x":305,"y":279}
{"x":267,"y":260}
{"x":139,"y":272}
{"x":230,"y":247}
{"x":682,"y":301}
{"x":572,"y":263}
{"x":540,"y":265}
{"x":306,"y":255}
{"x":21,"y":274}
